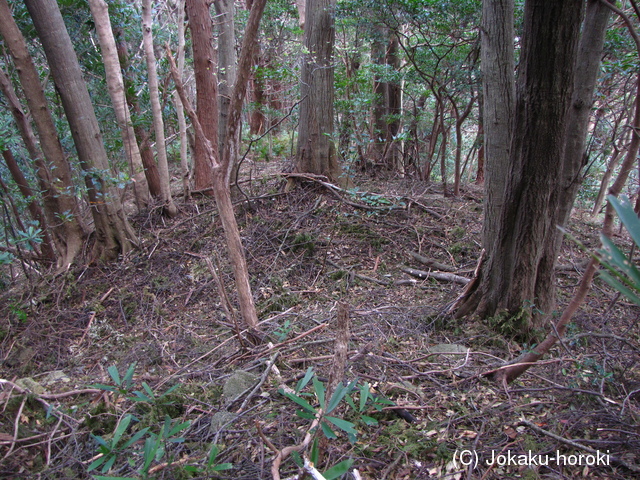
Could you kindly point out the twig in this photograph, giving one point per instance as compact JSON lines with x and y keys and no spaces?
{"x":285,"y":452}
{"x":93,"y":316}
{"x":263,"y":378}
{"x":574,"y":444}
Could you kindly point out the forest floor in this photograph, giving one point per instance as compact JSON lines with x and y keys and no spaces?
{"x":311,"y":252}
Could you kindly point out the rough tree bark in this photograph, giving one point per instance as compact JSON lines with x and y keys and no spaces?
{"x":115,"y":85}
{"x":515,"y":277}
{"x":206,"y":90}
{"x":114,"y":235}
{"x":169,"y":208}
{"x":316,"y":152}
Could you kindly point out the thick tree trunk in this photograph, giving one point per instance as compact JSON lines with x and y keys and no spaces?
{"x":206,"y":90}
{"x":115,"y":84}
{"x":168,"y":206}
{"x":114,"y":235}
{"x":60,"y":204}
{"x":518,"y":265}
{"x":316,"y":152}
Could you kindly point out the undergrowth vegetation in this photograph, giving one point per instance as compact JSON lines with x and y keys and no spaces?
{"x":136,"y":370}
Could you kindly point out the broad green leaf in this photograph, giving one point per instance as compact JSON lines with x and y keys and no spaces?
{"x":121,"y":428}
{"x":223,"y":466}
{"x":337,"y":397}
{"x":213,"y":453}
{"x":326,"y":429}
{"x":611,"y":254}
{"x":364,"y":395}
{"x":616,"y":285}
{"x":338,"y":470}
{"x":96,"y":463}
{"x":300,"y":401}
{"x":113,"y":373}
{"x":342,"y":424}
{"x":319,"y":388}
{"x":108,"y":464}
{"x":303,"y":382}
{"x":126,"y":381}
{"x":314,"y":452}
{"x":305,"y":415}
{"x":135,"y":438}
{"x":297,"y":458}
{"x":627,"y":216}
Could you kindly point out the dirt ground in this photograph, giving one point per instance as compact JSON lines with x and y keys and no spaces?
{"x":311,"y":252}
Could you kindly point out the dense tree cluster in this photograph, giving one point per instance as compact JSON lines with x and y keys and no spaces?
{"x":535,"y":100}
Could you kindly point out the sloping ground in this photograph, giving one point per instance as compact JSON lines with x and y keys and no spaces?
{"x":309,"y":251}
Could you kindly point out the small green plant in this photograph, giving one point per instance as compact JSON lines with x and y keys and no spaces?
{"x":110,"y":450}
{"x":123,"y":385}
{"x":211,"y":466}
{"x":358,"y":397}
{"x":283,"y":331}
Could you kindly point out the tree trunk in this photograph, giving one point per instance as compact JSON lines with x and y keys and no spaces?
{"x":316,"y":152}
{"x":221,"y":166}
{"x":48,"y":253}
{"x":182,"y":121}
{"x":516,"y":236}
{"x":142,"y":134}
{"x":168,"y":206}
{"x":115,"y":84}
{"x":206,"y":90}
{"x":114,"y":235}
{"x":60,"y":204}
{"x":225,"y":11}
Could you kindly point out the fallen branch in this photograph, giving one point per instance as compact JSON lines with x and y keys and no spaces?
{"x":432,"y":263}
{"x":442,"y":276}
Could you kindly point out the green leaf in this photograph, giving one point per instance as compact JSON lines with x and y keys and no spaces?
{"x":222,"y":466}
{"x":300,"y":401}
{"x":96,"y":463}
{"x":365,"y":393}
{"x":627,"y":216}
{"x":305,"y":415}
{"x":319,"y":388}
{"x":612,"y":255}
{"x":344,"y":425}
{"x":338,"y":395}
{"x":338,"y":470}
{"x":315,"y":453}
{"x":126,"y":381}
{"x":135,"y":438}
{"x":121,"y":428}
{"x":213,"y":453}
{"x":113,"y":373}
{"x":297,"y":458}
{"x":326,"y":429}
{"x":108,"y":464}
{"x":303,"y":382}
{"x":369,"y":420}
{"x":616,"y":285}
